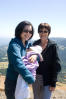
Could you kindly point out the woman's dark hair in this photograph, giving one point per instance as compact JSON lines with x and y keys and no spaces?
{"x":20,"y":27}
{"x":44,"y":25}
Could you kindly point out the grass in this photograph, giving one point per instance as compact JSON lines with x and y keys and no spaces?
{"x":4,"y":58}
{"x":3,"y":71}
{"x":61,"y":86}
{"x":3,"y":65}
{"x":3,"y":68}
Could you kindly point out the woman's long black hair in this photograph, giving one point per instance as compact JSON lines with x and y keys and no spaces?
{"x":20,"y":27}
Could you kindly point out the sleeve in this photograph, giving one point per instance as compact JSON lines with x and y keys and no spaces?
{"x":35,"y":43}
{"x":16,"y":60}
{"x":30,"y":43}
{"x":56,"y":66}
{"x":39,"y":57}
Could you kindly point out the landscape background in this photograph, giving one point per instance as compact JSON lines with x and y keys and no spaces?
{"x":61,"y":42}
{"x":36,"y":11}
{"x":60,"y":91}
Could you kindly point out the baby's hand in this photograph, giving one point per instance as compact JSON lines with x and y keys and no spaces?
{"x":33,"y":58}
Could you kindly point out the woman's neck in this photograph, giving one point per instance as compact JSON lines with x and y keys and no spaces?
{"x":23,"y":41}
{"x":44,"y":43}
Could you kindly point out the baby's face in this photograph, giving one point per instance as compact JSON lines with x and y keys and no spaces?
{"x":27,"y":50}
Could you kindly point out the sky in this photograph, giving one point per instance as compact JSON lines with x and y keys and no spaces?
{"x":52,"y":12}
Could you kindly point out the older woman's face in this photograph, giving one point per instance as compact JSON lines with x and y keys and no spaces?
{"x":43,"y":33}
{"x":27,"y":33}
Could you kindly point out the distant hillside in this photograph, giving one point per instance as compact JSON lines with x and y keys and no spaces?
{"x":3,"y":53}
{"x":61,"y":42}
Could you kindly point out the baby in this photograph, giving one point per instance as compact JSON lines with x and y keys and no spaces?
{"x":22,"y":88}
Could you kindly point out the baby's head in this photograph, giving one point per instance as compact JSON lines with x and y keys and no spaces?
{"x":36,"y":48}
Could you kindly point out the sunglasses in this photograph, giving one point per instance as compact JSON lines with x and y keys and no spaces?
{"x":43,"y":31}
{"x":26,"y":31}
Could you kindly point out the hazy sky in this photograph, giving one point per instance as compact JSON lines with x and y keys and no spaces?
{"x":36,"y":11}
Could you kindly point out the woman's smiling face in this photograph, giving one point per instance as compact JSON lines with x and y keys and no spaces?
{"x":43,"y":33}
{"x":27,"y":33}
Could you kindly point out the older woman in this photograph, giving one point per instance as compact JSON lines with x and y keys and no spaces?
{"x":49,"y":67}
{"x":16,"y":49}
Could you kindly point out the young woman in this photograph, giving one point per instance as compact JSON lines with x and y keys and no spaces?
{"x":16,"y":49}
{"x":50,"y":66}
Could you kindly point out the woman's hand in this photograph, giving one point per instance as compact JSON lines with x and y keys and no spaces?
{"x":30,"y":85}
{"x":33,"y":58}
{"x":51,"y":88}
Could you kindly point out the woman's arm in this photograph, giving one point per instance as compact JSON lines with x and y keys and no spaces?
{"x":56,"y":66}
{"x":15,"y":58}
